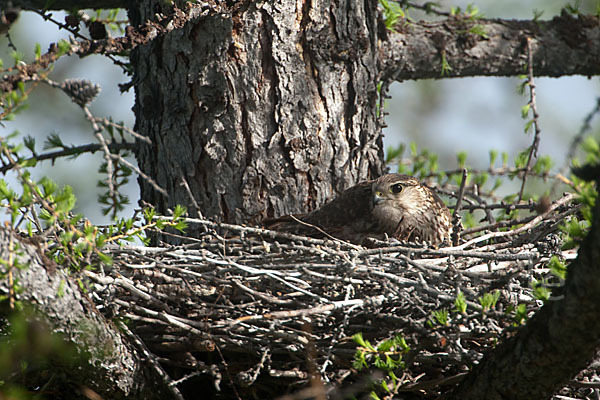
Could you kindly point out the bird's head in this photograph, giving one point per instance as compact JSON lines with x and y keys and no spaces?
{"x":399,"y":191}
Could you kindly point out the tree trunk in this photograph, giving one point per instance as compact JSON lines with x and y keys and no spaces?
{"x":108,"y":364}
{"x":268,"y":112}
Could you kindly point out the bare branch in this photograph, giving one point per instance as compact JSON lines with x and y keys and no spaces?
{"x":535,"y":121}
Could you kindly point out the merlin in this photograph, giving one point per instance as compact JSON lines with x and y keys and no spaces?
{"x":392,"y":206}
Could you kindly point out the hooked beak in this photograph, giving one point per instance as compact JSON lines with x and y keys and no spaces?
{"x":378,"y":198}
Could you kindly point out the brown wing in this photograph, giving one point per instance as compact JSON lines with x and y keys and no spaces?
{"x":346,"y":217}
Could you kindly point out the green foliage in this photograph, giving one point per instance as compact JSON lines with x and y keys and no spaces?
{"x":386,"y":356}
{"x":461,"y":158}
{"x":540,"y":290}
{"x":574,"y":8}
{"x":109,"y":18}
{"x":520,"y":313}
{"x":557,"y":268}
{"x":489,"y":300}
{"x":525,"y":111}
{"x":38,"y":52}
{"x":493,"y":157}
{"x":574,"y":230}
{"x":521,"y":159}
{"x":71,"y":240}
{"x":471,"y":12}
{"x":468,"y":220}
{"x":395,"y":153}
{"x":441,"y":316}
{"x":592,"y":150}
{"x":446,"y":67}
{"x":63,"y":47}
{"x":392,"y":14}
{"x":13,"y":102}
{"x":423,"y":162}
{"x":478,"y":30}
{"x":543,"y":165}
{"x":460,"y":303}
{"x":113,"y":198}
{"x":481,"y":179}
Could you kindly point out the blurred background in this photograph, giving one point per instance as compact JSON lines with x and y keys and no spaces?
{"x":445,"y":116}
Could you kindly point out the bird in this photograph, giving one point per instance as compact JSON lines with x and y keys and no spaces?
{"x":394,"y":206}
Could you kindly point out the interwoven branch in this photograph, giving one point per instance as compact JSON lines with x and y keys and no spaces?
{"x":250,"y":293}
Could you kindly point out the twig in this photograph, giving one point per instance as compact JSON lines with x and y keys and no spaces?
{"x":564,"y":200}
{"x":532,"y":102}
{"x":315,"y":310}
{"x":461,"y":192}
{"x":146,"y":177}
{"x":109,"y":164}
{"x":107,"y":122}
{"x":428,"y":7}
{"x":76,"y":33}
{"x":456,"y":225}
{"x":74,"y":150}
{"x":186,"y":186}
{"x":151,"y":359}
{"x":318,"y":229}
{"x":256,"y":297}
{"x":262,"y":231}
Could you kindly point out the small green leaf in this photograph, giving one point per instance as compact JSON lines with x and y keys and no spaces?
{"x":520,"y":314}
{"x":441,"y":316}
{"x":493,"y":157}
{"x":461,"y":158}
{"x":358,"y":338}
{"x":63,"y":47}
{"x":489,"y":300}
{"x":540,"y":291}
{"x":38,"y":52}
{"x":557,"y":268}
{"x":460,"y":303}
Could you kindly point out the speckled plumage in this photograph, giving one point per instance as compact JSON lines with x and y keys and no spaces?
{"x":394,"y":205}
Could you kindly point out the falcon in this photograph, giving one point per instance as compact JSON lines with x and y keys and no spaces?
{"x":391,"y":206}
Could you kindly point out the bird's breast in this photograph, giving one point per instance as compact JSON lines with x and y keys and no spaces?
{"x":387,"y":218}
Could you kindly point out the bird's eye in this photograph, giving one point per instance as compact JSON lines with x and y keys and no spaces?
{"x":397,"y":188}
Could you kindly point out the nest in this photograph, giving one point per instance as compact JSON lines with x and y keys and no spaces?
{"x":249,"y":311}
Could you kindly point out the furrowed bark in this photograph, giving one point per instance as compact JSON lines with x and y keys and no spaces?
{"x":266,"y":112}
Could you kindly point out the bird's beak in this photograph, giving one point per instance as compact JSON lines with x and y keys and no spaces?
{"x":378,"y":198}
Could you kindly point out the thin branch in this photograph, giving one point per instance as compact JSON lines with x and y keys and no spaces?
{"x":560,"y":202}
{"x":429,"y":7}
{"x":532,"y":103}
{"x":107,"y":154}
{"x":456,"y":225}
{"x":151,"y":181}
{"x":107,"y":122}
{"x":73,"y":151}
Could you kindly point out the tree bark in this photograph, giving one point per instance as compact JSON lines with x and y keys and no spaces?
{"x":109,"y":365}
{"x":267,"y":112}
{"x":565,"y":45}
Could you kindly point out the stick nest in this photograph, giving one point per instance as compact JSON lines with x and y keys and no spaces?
{"x":257,"y":311}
